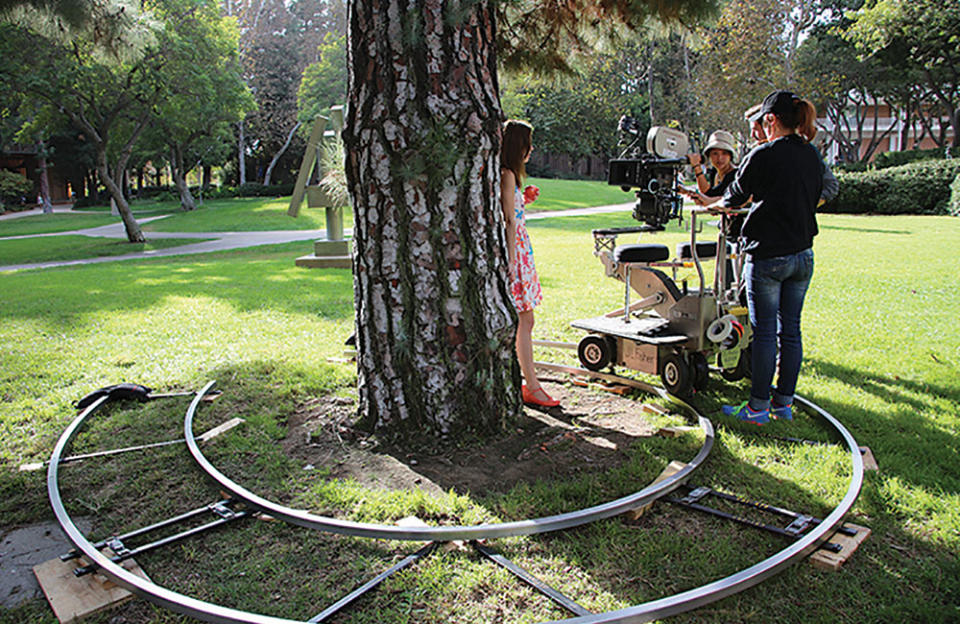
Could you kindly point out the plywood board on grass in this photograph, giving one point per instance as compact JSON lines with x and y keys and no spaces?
{"x":73,"y":598}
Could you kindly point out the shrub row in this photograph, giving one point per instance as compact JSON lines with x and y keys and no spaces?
{"x":895,"y":159}
{"x":918,"y":188}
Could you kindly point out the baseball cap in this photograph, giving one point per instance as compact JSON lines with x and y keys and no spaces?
{"x":779,"y":103}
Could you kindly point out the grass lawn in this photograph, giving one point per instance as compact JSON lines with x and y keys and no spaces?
{"x":76,"y":247}
{"x":243,"y":214}
{"x":567,"y":194}
{"x":57,"y":222}
{"x":882,"y":350}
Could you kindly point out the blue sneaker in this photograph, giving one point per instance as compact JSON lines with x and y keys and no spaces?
{"x":781,"y":412}
{"x":745,"y":413}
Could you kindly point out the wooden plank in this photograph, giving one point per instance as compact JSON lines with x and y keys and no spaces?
{"x":653,"y":409}
{"x":221,"y":428}
{"x":306,"y":165}
{"x":672,"y":432}
{"x":73,"y":598}
{"x":833,"y":561}
{"x":672,"y":468}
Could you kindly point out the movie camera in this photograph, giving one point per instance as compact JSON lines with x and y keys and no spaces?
{"x":653,"y":171}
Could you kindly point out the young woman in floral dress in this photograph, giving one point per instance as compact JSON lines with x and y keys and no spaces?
{"x":524,"y":283}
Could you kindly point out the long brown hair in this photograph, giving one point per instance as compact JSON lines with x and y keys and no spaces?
{"x":517,"y":141}
{"x":802,"y":119}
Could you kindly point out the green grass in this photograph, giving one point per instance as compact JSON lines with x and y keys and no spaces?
{"x":882,"y":351}
{"x":567,"y":194}
{"x":57,"y":222}
{"x":75,"y":247}
{"x":246,"y":214}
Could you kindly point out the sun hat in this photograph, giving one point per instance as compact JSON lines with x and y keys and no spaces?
{"x":721,"y":139}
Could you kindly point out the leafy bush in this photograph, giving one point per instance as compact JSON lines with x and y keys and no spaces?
{"x":850,"y":167}
{"x":918,"y":188}
{"x":255,"y":189}
{"x":895,"y":159}
{"x":13,"y":190}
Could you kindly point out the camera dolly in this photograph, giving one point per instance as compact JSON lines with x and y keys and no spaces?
{"x":673,"y":330}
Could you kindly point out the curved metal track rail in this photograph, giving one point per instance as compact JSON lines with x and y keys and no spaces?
{"x":645,"y":612}
{"x":447,"y":533}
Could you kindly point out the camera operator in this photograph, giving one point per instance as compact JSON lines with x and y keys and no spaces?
{"x":711,"y":185}
{"x":784,"y":176}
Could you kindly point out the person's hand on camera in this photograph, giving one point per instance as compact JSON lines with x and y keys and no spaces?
{"x":695,"y":159}
{"x":530,"y":194}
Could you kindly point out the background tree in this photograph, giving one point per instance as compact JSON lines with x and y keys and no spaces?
{"x":927,"y":31}
{"x":203,"y":91}
{"x":848,"y":89}
{"x":435,"y":321}
{"x":324,"y":81}
{"x":278,"y":40}
{"x":749,"y":51}
{"x":108,"y":100}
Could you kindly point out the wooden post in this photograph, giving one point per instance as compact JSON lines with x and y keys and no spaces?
{"x":307,"y":164}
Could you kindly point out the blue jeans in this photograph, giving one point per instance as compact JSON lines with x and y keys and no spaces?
{"x":775,"y":291}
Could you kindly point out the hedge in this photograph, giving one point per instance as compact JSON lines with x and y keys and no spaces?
{"x":895,"y":159}
{"x":917,"y":188}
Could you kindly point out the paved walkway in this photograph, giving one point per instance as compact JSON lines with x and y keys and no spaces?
{"x":221,"y":240}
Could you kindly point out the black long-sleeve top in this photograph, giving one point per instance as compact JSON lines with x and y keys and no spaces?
{"x":785,"y":178}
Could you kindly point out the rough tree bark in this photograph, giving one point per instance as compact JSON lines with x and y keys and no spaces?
{"x":435,"y":321}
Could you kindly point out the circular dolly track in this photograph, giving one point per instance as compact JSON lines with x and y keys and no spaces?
{"x":645,"y":612}
{"x":446,"y":533}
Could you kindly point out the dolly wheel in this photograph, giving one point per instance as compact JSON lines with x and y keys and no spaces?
{"x":594,"y":352}
{"x":676,"y":375}
{"x":741,"y":370}
{"x":699,"y":370}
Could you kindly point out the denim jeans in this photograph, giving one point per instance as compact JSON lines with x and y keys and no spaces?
{"x":775,"y":291}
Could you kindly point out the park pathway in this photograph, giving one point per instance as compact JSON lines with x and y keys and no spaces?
{"x":221,"y":241}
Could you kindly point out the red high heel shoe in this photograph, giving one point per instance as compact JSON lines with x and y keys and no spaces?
{"x":533,"y":398}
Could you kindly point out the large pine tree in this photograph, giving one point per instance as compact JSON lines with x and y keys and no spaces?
{"x":435,"y":321}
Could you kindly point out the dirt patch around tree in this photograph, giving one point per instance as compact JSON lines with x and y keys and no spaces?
{"x":590,"y":431}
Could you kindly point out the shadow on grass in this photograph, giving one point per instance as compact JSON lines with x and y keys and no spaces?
{"x":920,"y":452}
{"x":863,"y":230}
{"x":281,"y":570}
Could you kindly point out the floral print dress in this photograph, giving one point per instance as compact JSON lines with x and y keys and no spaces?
{"x":526,"y":285}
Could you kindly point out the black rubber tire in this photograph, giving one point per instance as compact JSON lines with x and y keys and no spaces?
{"x":595,"y":352}
{"x":741,"y":370}
{"x":700,"y":370}
{"x":676,"y":375}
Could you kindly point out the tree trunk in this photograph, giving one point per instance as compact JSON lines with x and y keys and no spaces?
{"x":241,"y":155}
{"x":187,"y":202}
{"x":45,"y":202}
{"x":435,"y":320}
{"x":134,"y":235}
{"x":280,"y":152}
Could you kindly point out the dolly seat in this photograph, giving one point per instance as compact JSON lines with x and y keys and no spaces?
{"x":641,"y":253}
{"x":705,"y":249}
